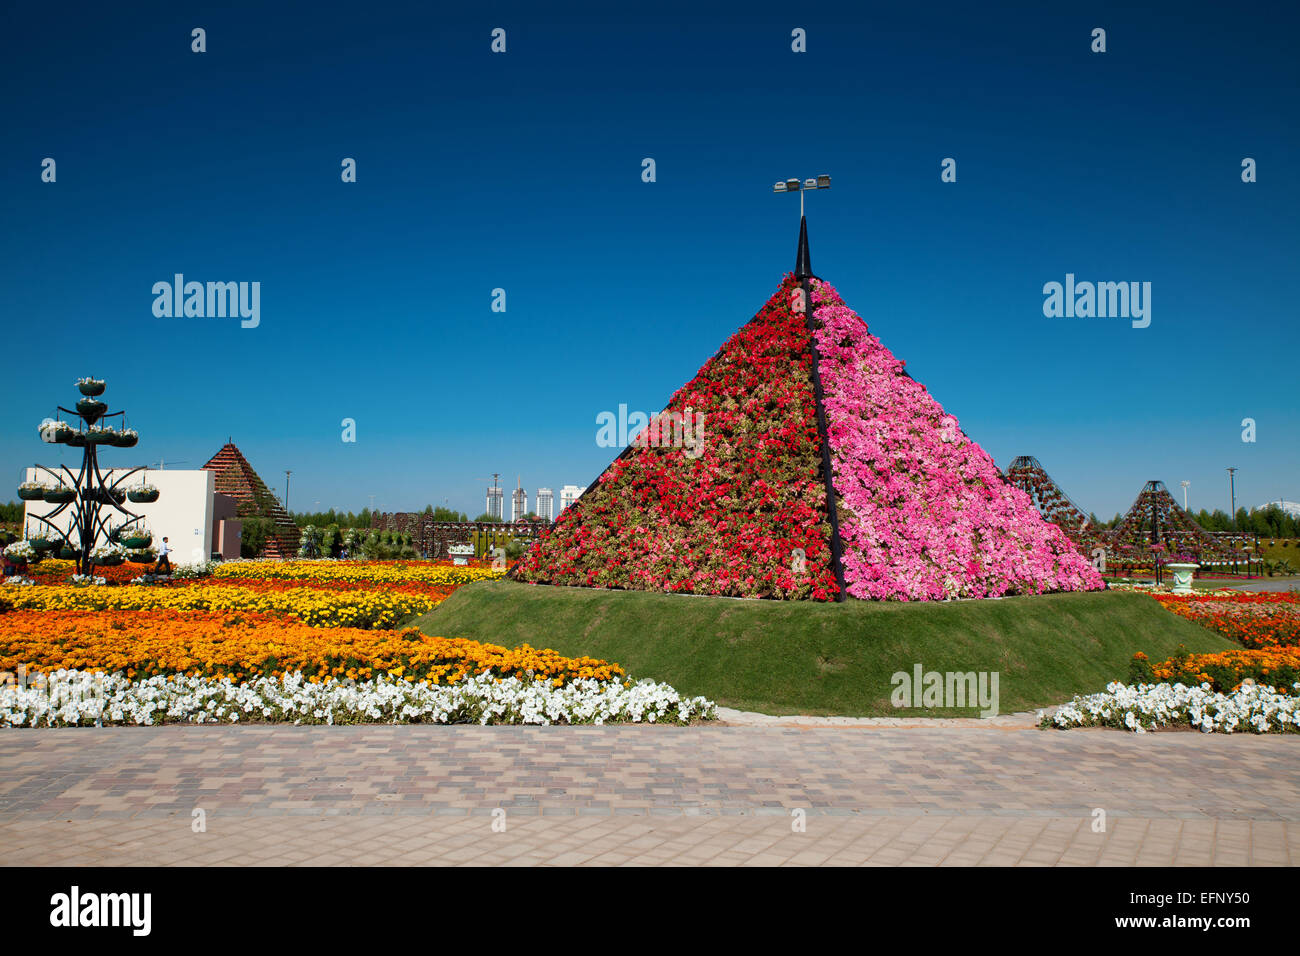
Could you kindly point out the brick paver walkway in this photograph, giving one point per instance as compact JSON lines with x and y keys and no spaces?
{"x":645,"y":795}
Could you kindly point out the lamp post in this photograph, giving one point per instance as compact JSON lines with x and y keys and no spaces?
{"x":1232,"y":485}
{"x":1157,"y":547}
{"x":287,"y":473}
{"x":1184,"y":484}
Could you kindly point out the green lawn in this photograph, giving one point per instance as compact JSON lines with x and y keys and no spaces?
{"x":810,"y":658}
{"x":1278,"y":549}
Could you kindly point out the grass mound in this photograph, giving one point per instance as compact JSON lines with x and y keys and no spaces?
{"x":812,"y":658}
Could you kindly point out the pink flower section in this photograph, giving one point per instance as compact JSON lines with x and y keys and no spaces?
{"x":924,"y":513}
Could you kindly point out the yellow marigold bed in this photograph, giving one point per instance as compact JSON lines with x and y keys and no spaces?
{"x":242,"y":646}
{"x":375,"y":572}
{"x":378,"y":608}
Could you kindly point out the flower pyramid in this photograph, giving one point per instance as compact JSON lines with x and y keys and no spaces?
{"x":1028,"y":474}
{"x":236,"y":478}
{"x":915,"y":510}
{"x":1156,"y":518}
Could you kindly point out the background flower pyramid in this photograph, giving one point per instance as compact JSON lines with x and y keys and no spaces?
{"x":920,"y":512}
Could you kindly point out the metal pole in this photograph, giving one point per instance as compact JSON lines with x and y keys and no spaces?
{"x":1232,"y":484}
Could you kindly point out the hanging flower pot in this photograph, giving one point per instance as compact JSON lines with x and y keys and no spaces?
{"x":101,"y":436}
{"x":76,"y":440}
{"x":90,"y":386}
{"x":20,"y":552}
{"x":143,"y":493}
{"x":136,"y":539}
{"x":60,"y":495}
{"x":140,"y":557}
{"x":108,"y":554}
{"x":32,"y":491}
{"x":69,"y":554}
{"x":90,"y":408}
{"x":42,"y":544}
{"x":53,"y":431}
{"x":126,"y":438}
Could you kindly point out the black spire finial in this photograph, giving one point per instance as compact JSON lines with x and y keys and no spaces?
{"x":803,"y":261}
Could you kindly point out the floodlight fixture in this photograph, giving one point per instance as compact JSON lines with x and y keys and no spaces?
{"x":793,"y":185}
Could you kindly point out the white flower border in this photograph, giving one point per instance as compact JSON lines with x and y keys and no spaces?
{"x":1254,"y":709}
{"x":84,"y":698}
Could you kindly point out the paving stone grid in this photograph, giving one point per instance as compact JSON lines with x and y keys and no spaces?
{"x":630,"y":795}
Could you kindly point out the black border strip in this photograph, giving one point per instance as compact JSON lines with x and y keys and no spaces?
{"x":828,"y":475}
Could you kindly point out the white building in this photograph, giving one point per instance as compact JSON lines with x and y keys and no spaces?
{"x":518,"y":501}
{"x":546,"y":504}
{"x":184,"y":512}
{"x":569,"y":494}
{"x":495,"y":503}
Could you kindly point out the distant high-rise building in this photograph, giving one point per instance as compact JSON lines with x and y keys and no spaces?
{"x":495,"y":503}
{"x":518,"y":501}
{"x":546,"y":504}
{"x":569,"y":494}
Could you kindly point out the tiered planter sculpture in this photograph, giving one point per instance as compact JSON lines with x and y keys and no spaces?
{"x":91,"y":504}
{"x":1157,"y":523}
{"x":1027,"y":474}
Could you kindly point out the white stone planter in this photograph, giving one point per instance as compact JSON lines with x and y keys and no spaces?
{"x":460,"y":553}
{"x":1182,"y":577}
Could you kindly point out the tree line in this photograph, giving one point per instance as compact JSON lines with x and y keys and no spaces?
{"x":1271,"y":522}
{"x":361,"y":519}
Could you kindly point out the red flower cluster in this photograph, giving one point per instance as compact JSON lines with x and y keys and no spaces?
{"x":745,"y":516}
{"x":1259,"y":621}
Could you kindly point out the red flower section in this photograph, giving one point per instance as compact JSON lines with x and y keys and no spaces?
{"x":1258,"y":621}
{"x":741,"y":512}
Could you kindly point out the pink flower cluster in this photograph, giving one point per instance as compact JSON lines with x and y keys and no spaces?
{"x":924,"y":513}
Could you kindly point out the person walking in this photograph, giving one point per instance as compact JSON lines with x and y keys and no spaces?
{"x":163,"y":561}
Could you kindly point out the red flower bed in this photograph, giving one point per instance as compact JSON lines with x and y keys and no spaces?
{"x":745,"y":517}
{"x":1258,"y":621}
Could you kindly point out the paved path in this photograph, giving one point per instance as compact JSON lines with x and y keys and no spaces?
{"x":1238,"y":584}
{"x":749,"y":718}
{"x":1268,"y":584}
{"x":645,"y":795}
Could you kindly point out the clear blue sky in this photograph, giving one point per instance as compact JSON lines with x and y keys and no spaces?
{"x":523,"y":171}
